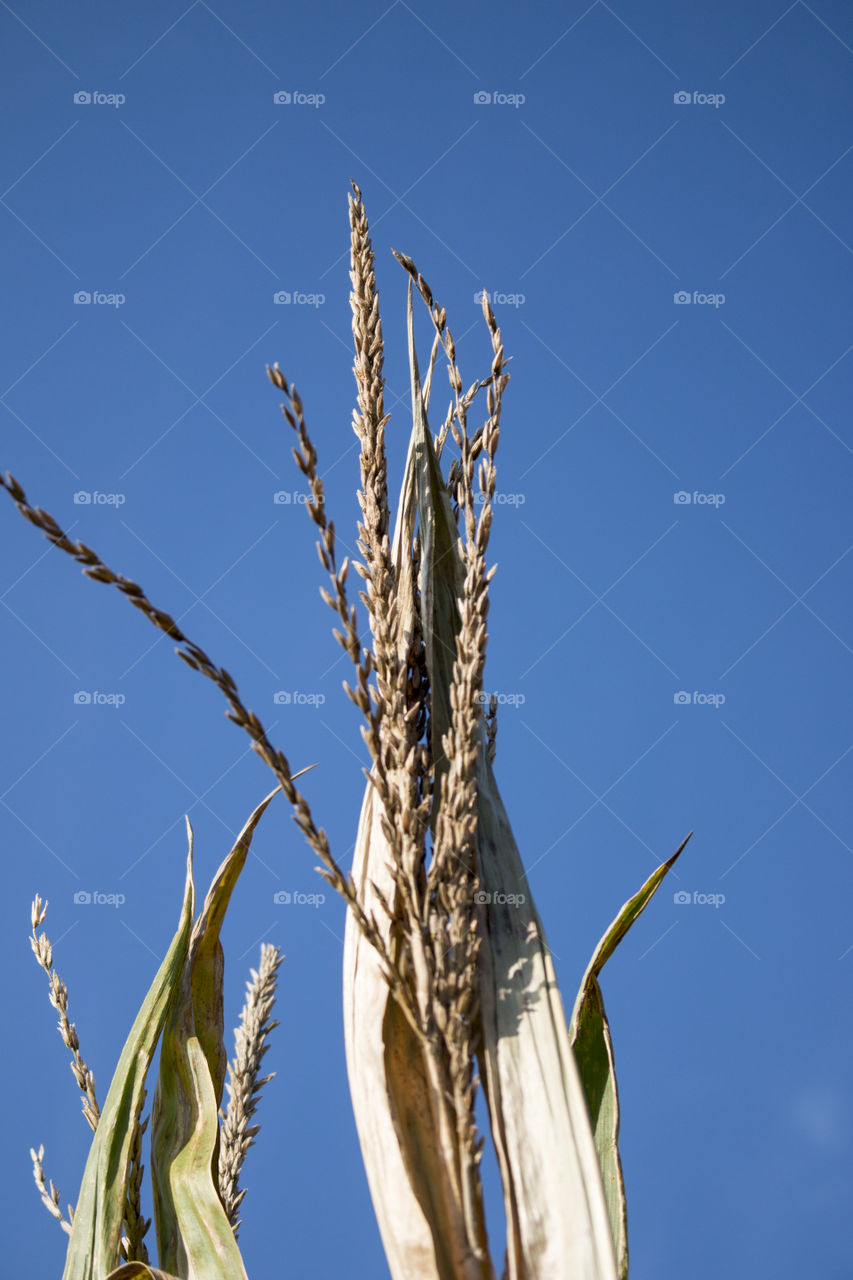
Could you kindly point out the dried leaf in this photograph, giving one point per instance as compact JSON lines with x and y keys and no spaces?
{"x":406,"y":1236}
{"x":556,"y":1213}
{"x":557,"y":1223}
{"x":413,"y":1182}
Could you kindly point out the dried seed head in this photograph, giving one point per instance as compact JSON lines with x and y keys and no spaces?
{"x":38,"y":912}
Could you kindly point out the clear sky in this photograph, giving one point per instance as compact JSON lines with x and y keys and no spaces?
{"x":658,"y":198}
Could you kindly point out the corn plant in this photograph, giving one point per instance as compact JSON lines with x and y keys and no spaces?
{"x":448,"y":980}
{"x":195,"y":1167}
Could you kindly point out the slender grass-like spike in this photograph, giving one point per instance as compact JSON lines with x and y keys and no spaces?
{"x":387,"y":1074}
{"x":43,"y":952}
{"x":245,"y":1082}
{"x":399,"y":1074}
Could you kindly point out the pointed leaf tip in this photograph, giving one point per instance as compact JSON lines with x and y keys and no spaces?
{"x":593,"y":1049}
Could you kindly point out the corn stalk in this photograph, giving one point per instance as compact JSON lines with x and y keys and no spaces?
{"x":446,"y":961}
{"x":182,"y":1013}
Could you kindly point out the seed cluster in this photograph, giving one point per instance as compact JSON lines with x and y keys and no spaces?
{"x":418,"y":686}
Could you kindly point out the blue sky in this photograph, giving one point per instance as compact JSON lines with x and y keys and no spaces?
{"x":669,"y":632}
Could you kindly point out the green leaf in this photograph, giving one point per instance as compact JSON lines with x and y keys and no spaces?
{"x":201,"y":1245}
{"x":593,"y":1049}
{"x":206,"y":956}
{"x":93,"y":1250}
{"x":194,"y":1236}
